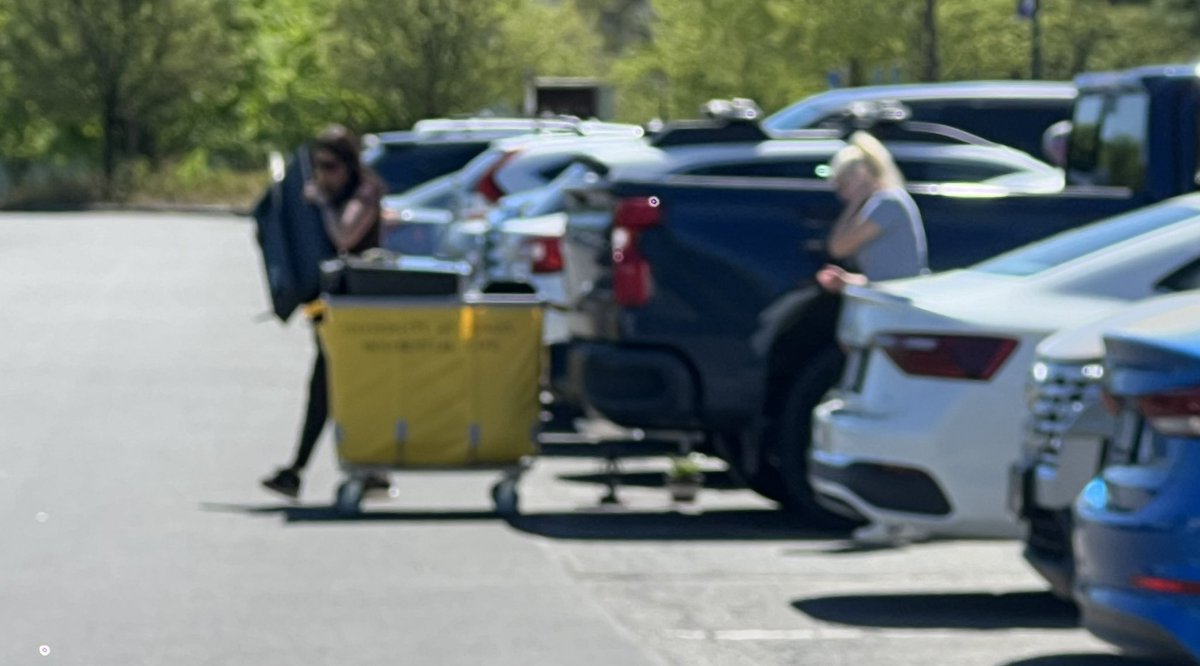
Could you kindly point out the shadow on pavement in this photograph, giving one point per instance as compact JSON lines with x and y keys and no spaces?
{"x":714,"y":525}
{"x":1086,"y":660}
{"x":299,"y":513}
{"x":712,"y":480}
{"x":607,"y":524}
{"x":851,"y":547}
{"x":1015,"y":610}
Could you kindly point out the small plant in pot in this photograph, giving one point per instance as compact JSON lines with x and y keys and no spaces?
{"x":684,"y":478}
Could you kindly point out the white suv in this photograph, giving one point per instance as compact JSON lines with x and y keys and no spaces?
{"x":920,"y":436}
{"x":1067,"y":427}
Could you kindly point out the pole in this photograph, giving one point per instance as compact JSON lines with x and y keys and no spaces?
{"x":931,"y":67}
{"x":1035,"y":30}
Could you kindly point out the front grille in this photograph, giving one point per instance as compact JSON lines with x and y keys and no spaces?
{"x":1058,"y":394}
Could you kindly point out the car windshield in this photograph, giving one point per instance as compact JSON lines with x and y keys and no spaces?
{"x":1071,"y":245}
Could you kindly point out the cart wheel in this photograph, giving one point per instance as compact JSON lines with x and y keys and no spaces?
{"x":349,"y":496}
{"x":505,"y":497}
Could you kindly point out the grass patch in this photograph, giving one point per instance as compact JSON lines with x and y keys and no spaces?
{"x":192,"y":182}
{"x":53,"y":193}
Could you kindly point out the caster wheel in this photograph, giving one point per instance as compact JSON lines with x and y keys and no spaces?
{"x":504,"y":496}
{"x":349,"y":497}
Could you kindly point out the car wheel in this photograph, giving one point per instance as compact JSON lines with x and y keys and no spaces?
{"x":748,"y":466}
{"x":795,"y":437}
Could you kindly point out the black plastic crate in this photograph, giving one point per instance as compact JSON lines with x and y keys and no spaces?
{"x":392,"y":277}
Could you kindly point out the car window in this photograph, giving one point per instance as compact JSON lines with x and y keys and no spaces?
{"x":1184,"y":279}
{"x":801,"y":168}
{"x":943,"y":170}
{"x":1085,"y":133}
{"x":1077,"y":243}
{"x":551,"y":172}
{"x":1123,"y":142}
{"x":404,"y":166}
{"x":1108,"y":141}
{"x":1015,"y":123}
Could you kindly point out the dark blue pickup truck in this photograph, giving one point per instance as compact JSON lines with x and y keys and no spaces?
{"x":662,"y":328}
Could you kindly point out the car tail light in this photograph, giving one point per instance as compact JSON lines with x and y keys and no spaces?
{"x":633,"y":283}
{"x":1173,"y":412}
{"x":488,"y":186}
{"x":1167,"y":585}
{"x":547,"y":255}
{"x":1111,"y":403}
{"x":948,"y":356}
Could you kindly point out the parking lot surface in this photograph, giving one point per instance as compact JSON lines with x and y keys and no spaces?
{"x":143,"y":394}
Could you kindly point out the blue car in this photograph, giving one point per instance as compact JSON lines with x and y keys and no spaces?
{"x":1137,"y":535}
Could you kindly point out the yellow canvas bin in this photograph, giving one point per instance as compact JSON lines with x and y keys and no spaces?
{"x":433,"y":383}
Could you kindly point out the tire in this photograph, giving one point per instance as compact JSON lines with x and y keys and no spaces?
{"x":795,"y":437}
{"x":506,"y":499}
{"x":748,"y":466}
{"x":349,"y":497}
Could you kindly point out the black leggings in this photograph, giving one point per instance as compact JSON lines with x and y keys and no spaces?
{"x":317,"y":413}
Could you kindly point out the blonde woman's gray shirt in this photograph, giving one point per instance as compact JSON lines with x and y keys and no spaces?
{"x":900,"y":250}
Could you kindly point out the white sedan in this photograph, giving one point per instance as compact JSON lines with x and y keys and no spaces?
{"x":919,"y":437}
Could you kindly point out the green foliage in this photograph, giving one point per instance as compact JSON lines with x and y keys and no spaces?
{"x":685,"y":468}
{"x":774,"y":51}
{"x":574,"y":48}
{"x":410,"y":59}
{"x":172,"y":89}
{"x":291,"y":90}
{"x":400,"y":61}
{"x":191,"y":180}
{"x":118,"y":78}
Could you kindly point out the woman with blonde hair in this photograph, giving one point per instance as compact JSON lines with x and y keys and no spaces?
{"x":880,"y":229}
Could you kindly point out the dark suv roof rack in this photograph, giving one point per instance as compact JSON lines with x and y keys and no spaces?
{"x":723,"y":121}
{"x":737,"y":121}
{"x":890,"y":120}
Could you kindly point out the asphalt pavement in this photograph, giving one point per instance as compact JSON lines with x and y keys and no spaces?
{"x":144,"y":391}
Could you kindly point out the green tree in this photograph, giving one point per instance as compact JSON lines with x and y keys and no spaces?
{"x":292,"y":90}
{"x":133,"y":76}
{"x":985,"y":39}
{"x":545,"y":40}
{"x":402,"y":60}
{"x":774,"y":51}
{"x":621,"y":23}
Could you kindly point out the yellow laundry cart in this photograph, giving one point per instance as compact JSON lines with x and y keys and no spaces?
{"x":426,"y":384}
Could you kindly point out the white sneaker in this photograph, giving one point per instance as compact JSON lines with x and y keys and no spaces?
{"x":884,"y":534}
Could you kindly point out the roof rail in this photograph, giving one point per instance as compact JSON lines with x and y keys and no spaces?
{"x":723,"y":121}
{"x":864,"y":114}
{"x":916,"y":130}
{"x":732,"y":110}
{"x":891,"y":120}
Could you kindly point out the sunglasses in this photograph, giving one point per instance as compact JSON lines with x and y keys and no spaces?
{"x":328,"y":165}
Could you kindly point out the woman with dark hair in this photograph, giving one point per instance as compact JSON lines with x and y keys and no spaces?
{"x":347,"y":193}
